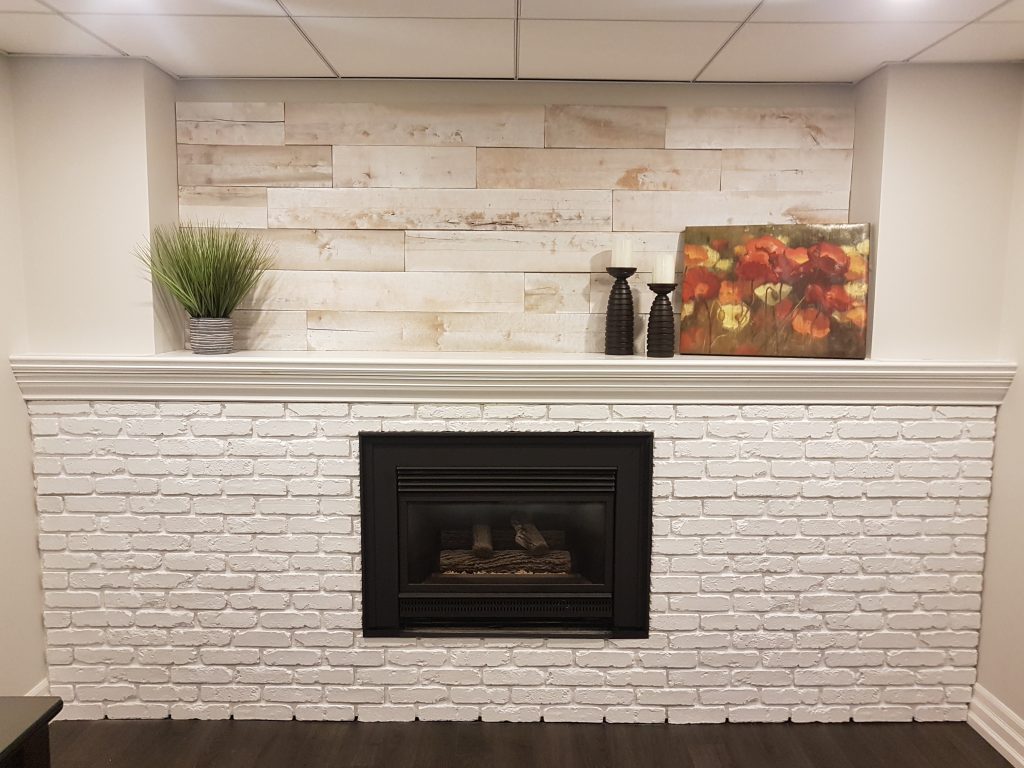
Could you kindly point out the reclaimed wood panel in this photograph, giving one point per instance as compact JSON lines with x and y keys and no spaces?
{"x":550,"y":293}
{"x":480,"y":125}
{"x":440,"y":209}
{"x":504,"y":251}
{"x":825,"y":170}
{"x":464,"y":332}
{"x":369,"y":250}
{"x":567,"y":125}
{"x":676,"y":210}
{"x":408,"y":167}
{"x":244,"y":207}
{"x":650,"y":169}
{"x":270,"y":330}
{"x":390,"y":291}
{"x":254,"y":166}
{"x":234,"y":132}
{"x":759,"y":127}
{"x":231,"y":111}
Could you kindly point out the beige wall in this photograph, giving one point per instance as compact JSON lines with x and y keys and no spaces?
{"x":21,"y":630}
{"x":85,"y":153}
{"x":1001,"y":664}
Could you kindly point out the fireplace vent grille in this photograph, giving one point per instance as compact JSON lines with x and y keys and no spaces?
{"x":529,"y":607}
{"x":502,"y":480}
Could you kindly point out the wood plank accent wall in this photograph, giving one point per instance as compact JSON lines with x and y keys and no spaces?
{"x":486,"y":227}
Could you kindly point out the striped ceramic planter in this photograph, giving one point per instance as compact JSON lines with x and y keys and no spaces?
{"x":211,"y":335}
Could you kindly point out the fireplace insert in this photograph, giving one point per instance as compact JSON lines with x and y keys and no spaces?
{"x":507,"y":534}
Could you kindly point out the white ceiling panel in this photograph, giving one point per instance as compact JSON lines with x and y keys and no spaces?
{"x":172,"y":7}
{"x":617,"y":50}
{"x":427,"y":9}
{"x":212,"y":46}
{"x":1012,"y":11}
{"x":980,"y":42}
{"x":639,"y":10}
{"x":872,"y":10}
{"x":47,"y":34}
{"x":818,"y":52}
{"x":27,"y":6}
{"x":416,"y":47}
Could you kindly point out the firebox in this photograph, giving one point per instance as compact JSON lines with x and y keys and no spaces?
{"x":506,"y":534}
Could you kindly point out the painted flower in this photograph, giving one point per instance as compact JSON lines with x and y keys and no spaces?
{"x":733,"y":317}
{"x":829,"y":259}
{"x":693,"y":339}
{"x":700,"y":285}
{"x":772,"y":293}
{"x":770,"y":245}
{"x":864,"y":247}
{"x":858,"y":265}
{"x":858,"y":290}
{"x":812,"y":322}
{"x":857,"y":315}
{"x":834,"y":298}
{"x":732,"y":292}
{"x":793,"y":263}
{"x":720,"y":244}
{"x":700,"y":255}
{"x":756,"y":266}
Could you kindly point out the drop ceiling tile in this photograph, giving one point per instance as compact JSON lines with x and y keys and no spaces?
{"x":212,"y":46}
{"x":980,"y":42}
{"x":638,"y":10}
{"x":839,"y":53}
{"x":871,"y":10}
{"x":49,"y":34}
{"x":617,"y":50}
{"x":24,"y":6}
{"x":430,"y":9}
{"x":415,"y":47}
{"x":1012,"y":11}
{"x":172,"y":7}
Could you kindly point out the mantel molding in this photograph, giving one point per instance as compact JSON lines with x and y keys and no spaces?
{"x":452,"y":377}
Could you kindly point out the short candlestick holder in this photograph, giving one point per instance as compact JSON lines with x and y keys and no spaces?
{"x":618,"y":329}
{"x":661,"y":323}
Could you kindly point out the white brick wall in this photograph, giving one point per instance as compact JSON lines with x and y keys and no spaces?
{"x":813,"y":564}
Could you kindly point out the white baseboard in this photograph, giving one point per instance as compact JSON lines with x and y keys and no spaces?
{"x":999,"y":725}
{"x":42,"y":688}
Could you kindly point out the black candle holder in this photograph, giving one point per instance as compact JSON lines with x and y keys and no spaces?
{"x":618,"y":329}
{"x":661,"y":323}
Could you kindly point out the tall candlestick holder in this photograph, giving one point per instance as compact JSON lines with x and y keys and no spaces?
{"x":661,"y":323}
{"x":618,"y":330}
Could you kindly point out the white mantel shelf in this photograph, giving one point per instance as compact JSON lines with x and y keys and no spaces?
{"x":531,"y":378}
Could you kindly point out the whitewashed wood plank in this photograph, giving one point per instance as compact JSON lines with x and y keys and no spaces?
{"x":231,"y":111}
{"x":244,"y":207}
{"x":479,"y":125}
{"x":759,"y":127}
{"x":651,"y":169}
{"x":254,"y":166}
{"x":440,"y":209}
{"x":389,"y":291}
{"x":410,"y":167}
{"x":503,"y":251}
{"x":586,"y":126}
{"x":229,"y":132}
{"x":270,"y":330}
{"x":755,"y":170}
{"x":465,"y":332}
{"x":362,"y":250}
{"x":550,"y":293}
{"x":646,"y":211}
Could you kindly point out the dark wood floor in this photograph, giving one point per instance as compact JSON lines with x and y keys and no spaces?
{"x":236,"y":744}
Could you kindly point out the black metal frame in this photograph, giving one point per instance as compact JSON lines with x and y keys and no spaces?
{"x":391,"y":610}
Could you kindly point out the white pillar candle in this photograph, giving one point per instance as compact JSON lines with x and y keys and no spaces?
{"x":665,"y":268}
{"x":622,"y":252}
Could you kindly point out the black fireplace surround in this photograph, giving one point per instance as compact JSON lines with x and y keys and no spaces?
{"x":536,"y":535}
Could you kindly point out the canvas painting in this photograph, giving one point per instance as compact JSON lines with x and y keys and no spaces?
{"x":776,"y":290}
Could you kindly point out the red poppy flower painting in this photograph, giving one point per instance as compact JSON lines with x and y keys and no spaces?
{"x":776,"y":291}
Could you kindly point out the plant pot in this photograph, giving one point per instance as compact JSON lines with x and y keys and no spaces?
{"x":211,"y":335}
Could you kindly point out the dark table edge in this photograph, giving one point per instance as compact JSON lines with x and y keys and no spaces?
{"x":56,"y":705}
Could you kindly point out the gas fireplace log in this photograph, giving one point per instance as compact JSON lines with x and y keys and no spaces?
{"x":528,"y":537}
{"x":482,"y":545}
{"x":505,"y":561}
{"x":501,"y":538}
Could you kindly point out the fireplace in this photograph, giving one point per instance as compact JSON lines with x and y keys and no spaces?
{"x":506,"y":534}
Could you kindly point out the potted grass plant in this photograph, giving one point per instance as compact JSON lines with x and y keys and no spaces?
{"x":208,"y":270}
